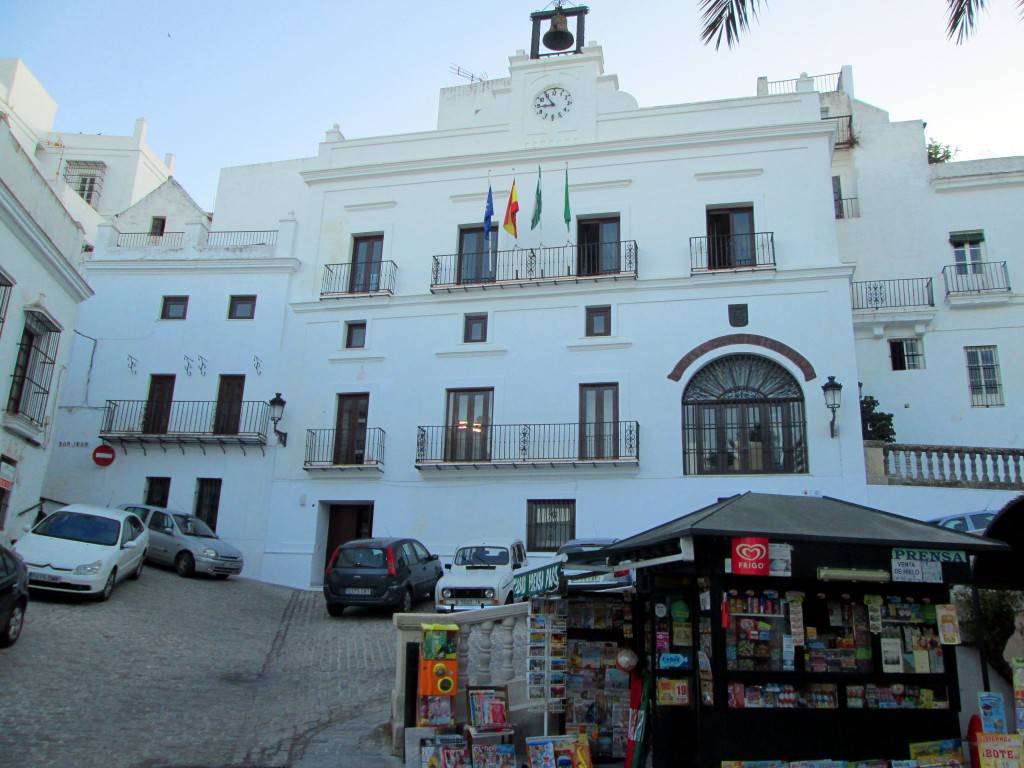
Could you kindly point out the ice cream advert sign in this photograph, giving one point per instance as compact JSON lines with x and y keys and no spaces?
{"x":750,"y":556}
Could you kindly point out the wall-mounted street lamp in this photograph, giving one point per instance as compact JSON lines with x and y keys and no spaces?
{"x":276,"y":412}
{"x":833,"y":396}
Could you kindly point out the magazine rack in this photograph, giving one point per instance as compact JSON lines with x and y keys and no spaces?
{"x":487,"y":712}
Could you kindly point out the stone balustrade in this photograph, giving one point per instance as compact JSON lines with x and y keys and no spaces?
{"x":944,"y":466}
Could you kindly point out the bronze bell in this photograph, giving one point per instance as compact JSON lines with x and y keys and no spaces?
{"x":558,"y":38}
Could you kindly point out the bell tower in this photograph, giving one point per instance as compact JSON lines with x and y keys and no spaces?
{"x":558,"y":39}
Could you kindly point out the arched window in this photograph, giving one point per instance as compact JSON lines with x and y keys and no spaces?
{"x":743,"y":414}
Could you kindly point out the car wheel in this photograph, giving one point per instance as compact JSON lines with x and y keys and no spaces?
{"x":406,"y":605}
{"x":104,"y":595}
{"x":138,"y":569}
{"x":185,"y":564}
{"x":335,"y":610}
{"x":12,"y":631}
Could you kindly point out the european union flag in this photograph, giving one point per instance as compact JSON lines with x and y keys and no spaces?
{"x":488,"y":212}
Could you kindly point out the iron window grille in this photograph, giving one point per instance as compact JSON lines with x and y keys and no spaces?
{"x":906,"y":354}
{"x":86,"y":178}
{"x":6,"y":286}
{"x":33,"y":368}
{"x":744,"y":414}
{"x":549,"y":524}
{"x":983,"y":377}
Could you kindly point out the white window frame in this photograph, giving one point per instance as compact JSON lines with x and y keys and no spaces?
{"x":912,"y":354}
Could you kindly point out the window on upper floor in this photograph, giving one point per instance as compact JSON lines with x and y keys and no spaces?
{"x":474,"y":328}
{"x":476,"y":255}
{"x":743,"y":414}
{"x":33,"y":367}
{"x":967,"y":252}
{"x":157,"y":225}
{"x":6,"y":286}
{"x":355,"y":334}
{"x":983,"y":376}
{"x":731,"y":240}
{"x":86,"y":178}
{"x":599,"y":246}
{"x":906,"y":354}
{"x":599,"y":421}
{"x":599,"y":321}
{"x":468,"y":425}
{"x":242,"y":308}
{"x":549,"y":523}
{"x":367,"y":252}
{"x":174,"y":308}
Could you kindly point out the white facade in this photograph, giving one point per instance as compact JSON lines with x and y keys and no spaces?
{"x":393,"y":338}
{"x":39,"y":296}
{"x":95,"y":176}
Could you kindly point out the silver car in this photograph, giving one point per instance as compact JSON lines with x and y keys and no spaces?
{"x":186,"y":542}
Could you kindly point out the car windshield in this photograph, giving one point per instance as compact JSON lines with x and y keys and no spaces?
{"x":361,"y":557}
{"x":481,"y":556}
{"x":190,"y":525}
{"x":77,"y":526}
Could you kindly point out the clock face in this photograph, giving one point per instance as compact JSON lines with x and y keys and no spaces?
{"x":552,"y":104}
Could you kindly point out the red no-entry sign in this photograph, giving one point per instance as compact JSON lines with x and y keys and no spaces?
{"x":103,"y":455}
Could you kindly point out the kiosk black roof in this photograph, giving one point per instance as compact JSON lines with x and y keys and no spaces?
{"x":794,"y":518}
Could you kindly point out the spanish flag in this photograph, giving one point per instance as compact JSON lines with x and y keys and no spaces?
{"x":511,"y":211}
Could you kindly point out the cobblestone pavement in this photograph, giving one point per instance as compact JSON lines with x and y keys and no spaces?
{"x":196,"y":672}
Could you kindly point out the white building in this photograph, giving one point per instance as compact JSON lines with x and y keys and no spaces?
{"x":95,"y":176}
{"x":659,"y":341}
{"x":39,"y":296}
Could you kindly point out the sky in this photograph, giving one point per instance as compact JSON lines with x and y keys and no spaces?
{"x":224,"y":83}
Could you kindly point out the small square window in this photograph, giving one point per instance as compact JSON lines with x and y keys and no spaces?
{"x":906,"y":354}
{"x":355,"y":335}
{"x":174,"y":308}
{"x":599,"y":321}
{"x":475,"y":329}
{"x":242,"y":308}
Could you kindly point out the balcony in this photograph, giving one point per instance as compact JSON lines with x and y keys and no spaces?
{"x":146,"y":240}
{"x":732,"y":252}
{"x":893,"y":294}
{"x":375,"y":278}
{"x":944,"y":466}
{"x":601,"y":444}
{"x":535,"y":266}
{"x":344,"y":449}
{"x":186,"y":422}
{"x":844,"y":130}
{"x":241,"y":239}
{"x":976,"y":278}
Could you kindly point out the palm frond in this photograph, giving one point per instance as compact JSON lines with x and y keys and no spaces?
{"x":963,"y":18}
{"x":729,"y":18}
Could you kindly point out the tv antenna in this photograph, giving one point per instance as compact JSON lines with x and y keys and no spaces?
{"x":455,"y":69}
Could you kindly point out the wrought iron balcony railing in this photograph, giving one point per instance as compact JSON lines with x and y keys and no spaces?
{"x":186,"y":420}
{"x":146,"y":240}
{"x":235,"y":239}
{"x":890,"y":294}
{"x":732,"y":251}
{"x":844,"y":130}
{"x":976,"y":277}
{"x":341,"y":448}
{"x":534,"y":444}
{"x":536,"y":265}
{"x":348,"y":279}
{"x":847,"y":208}
{"x":832,"y":82}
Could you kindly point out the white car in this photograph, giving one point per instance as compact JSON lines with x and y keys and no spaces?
{"x":479,"y":576}
{"x":81,"y":549}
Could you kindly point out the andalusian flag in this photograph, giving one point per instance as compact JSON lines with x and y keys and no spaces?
{"x":510,"y":212}
{"x":568,"y":214}
{"x":488,"y":212}
{"x":536,"y":204}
